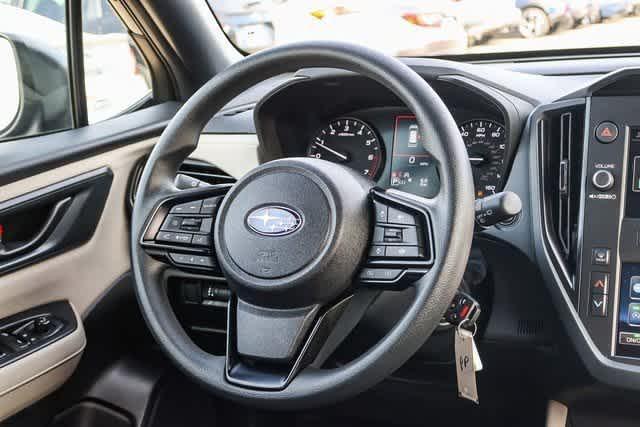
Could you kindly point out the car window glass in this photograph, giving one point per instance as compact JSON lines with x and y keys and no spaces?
{"x":9,"y":85}
{"x":434,"y":27}
{"x":37,"y":34}
{"x":116,"y":74}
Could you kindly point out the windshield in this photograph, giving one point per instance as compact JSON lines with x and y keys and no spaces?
{"x":434,"y":27}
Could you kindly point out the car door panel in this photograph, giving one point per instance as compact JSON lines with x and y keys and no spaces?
{"x":82,"y":274}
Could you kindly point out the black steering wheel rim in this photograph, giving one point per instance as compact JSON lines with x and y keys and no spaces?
{"x":452,"y":209}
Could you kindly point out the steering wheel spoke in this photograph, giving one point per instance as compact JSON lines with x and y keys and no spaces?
{"x":267,"y":348}
{"x":179,"y":230}
{"x":403,"y":245}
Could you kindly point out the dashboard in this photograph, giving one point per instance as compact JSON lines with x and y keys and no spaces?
{"x":366,"y":129}
{"x":562,"y":278}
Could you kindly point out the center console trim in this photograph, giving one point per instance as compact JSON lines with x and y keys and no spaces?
{"x":608,"y":369}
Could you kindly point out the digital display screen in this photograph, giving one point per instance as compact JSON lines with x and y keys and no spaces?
{"x":413,"y":169}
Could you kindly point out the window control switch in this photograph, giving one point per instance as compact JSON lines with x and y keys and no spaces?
{"x":12,"y":342}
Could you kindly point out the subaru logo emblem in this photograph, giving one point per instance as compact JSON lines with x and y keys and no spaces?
{"x":274,"y":220}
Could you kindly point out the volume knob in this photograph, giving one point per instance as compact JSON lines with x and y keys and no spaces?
{"x":603,"y":180}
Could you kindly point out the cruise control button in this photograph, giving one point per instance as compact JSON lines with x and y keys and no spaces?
{"x":381,"y":212}
{"x":207,"y":225}
{"x":410,"y":236}
{"x":210,"y":205}
{"x":634,"y":287}
{"x":380,"y":274}
{"x":403,"y":252}
{"x":629,"y":338}
{"x":192,"y":260}
{"x":187,"y":208}
{"x":201,"y":240}
{"x":171,"y":237}
{"x":606,"y":132}
{"x":634,"y":314}
{"x":398,"y":217}
{"x":599,"y":283}
{"x":598,"y":304}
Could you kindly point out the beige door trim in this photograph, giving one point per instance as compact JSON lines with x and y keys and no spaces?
{"x":82,"y":275}
{"x":557,"y":414}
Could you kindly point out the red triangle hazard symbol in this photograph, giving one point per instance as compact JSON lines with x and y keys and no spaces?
{"x":606,"y":132}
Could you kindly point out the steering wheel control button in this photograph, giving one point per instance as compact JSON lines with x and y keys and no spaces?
{"x":377,"y":251}
{"x":382,"y":212}
{"x":201,"y":240}
{"x":598,"y":305}
{"x":380,"y":274}
{"x":403,"y":252}
{"x":187,"y":208}
{"x":634,"y":287}
{"x":601,"y":256}
{"x":603,"y":180}
{"x":206,"y":225}
{"x":599,"y":283}
{"x":210,"y":205}
{"x":398,"y":217}
{"x":393,"y":235}
{"x":171,"y":237}
{"x":410,"y":236}
{"x":191,"y":224}
{"x":606,"y":132}
{"x":634,"y":314}
{"x":192,"y":260}
{"x":172,"y":223}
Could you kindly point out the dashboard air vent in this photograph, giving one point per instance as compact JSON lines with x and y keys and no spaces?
{"x":561,"y":134}
{"x":190,"y":169}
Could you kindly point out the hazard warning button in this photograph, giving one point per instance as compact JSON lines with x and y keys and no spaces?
{"x":606,"y":132}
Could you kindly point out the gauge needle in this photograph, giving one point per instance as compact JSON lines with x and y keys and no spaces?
{"x":476,"y":159}
{"x":334,"y":152}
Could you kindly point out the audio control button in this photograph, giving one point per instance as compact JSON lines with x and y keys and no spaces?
{"x":603,"y":180}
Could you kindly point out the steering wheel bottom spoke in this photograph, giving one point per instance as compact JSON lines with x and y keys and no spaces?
{"x":402,"y":248}
{"x":179,"y":230}
{"x":295,"y":340}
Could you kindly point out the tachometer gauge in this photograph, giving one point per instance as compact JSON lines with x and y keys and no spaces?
{"x":350,"y":142}
{"x":485,"y":141}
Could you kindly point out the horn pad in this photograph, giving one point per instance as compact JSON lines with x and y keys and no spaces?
{"x":293,"y":232}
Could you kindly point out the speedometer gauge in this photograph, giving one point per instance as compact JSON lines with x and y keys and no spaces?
{"x":350,"y":142}
{"x":485,"y":141}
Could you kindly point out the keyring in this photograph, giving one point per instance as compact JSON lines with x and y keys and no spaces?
{"x":475,"y":327}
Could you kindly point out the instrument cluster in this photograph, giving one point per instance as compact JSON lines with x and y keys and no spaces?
{"x":392,"y":149}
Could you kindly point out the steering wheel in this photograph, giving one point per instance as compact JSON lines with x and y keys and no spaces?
{"x":294,"y":240}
